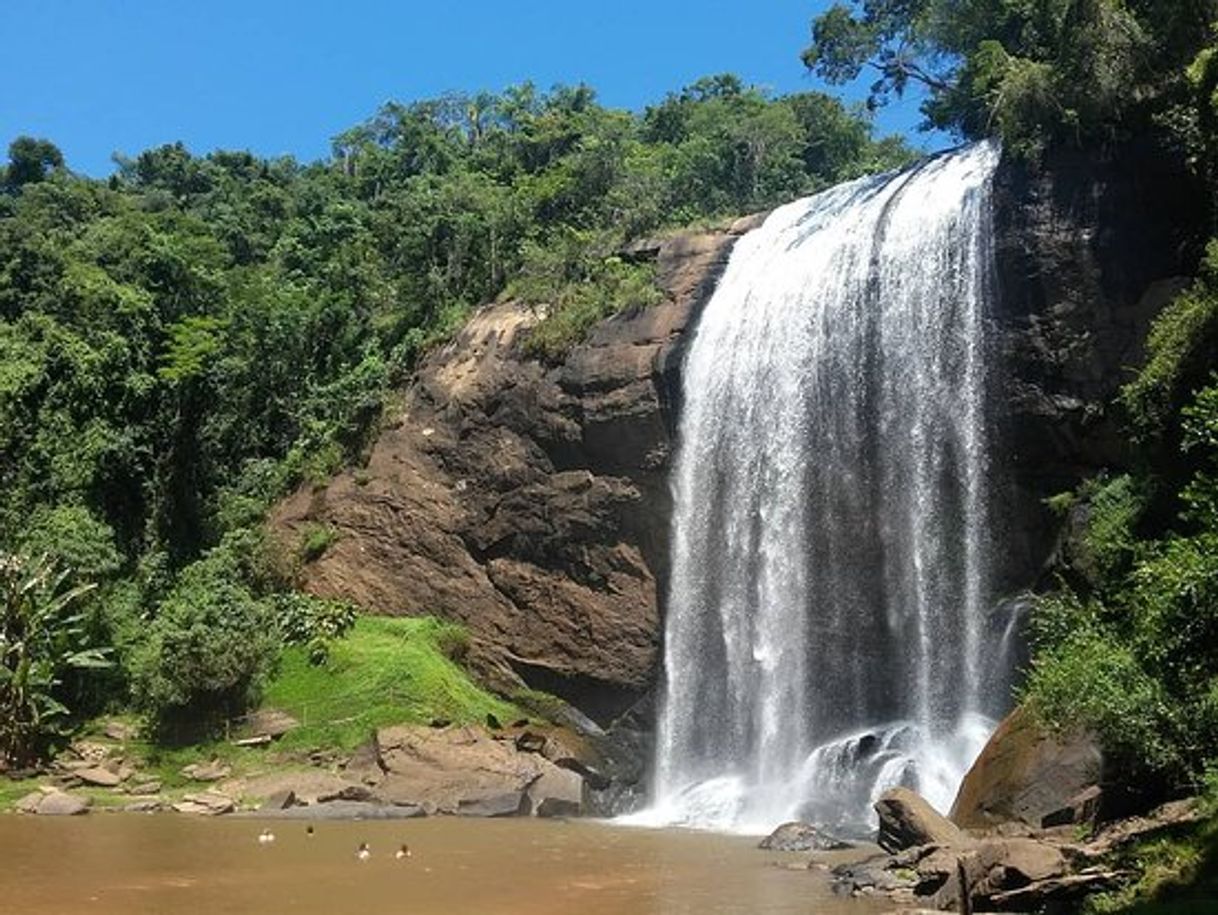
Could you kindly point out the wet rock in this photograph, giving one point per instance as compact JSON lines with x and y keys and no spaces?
{"x":345,"y":810}
{"x":213,"y":771}
{"x":502,"y":804}
{"x":907,"y":819}
{"x":1025,"y":774}
{"x":799,"y":836}
{"x":62,"y":804}
{"x":144,"y":805}
{"x":557,"y":793}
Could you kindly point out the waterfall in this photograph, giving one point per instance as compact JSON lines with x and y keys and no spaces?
{"x":830,"y":552}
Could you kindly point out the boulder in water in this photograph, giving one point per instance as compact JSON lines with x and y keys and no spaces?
{"x":906,"y":820}
{"x":557,"y":793}
{"x":799,"y":836}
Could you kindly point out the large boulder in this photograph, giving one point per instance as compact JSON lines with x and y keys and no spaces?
{"x":62,"y":804}
{"x":1026,"y":774}
{"x":907,"y":820}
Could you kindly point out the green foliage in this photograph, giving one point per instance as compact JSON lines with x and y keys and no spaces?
{"x":577,"y":281}
{"x":207,"y":652}
{"x":315,"y":540}
{"x":1113,"y":507}
{"x":1131,"y":654}
{"x":1089,"y":679}
{"x":1182,"y":344}
{"x":314,"y":622}
{"x":42,"y":637}
{"x":29,"y":160}
{"x":1035,"y":72}
{"x":383,"y":672}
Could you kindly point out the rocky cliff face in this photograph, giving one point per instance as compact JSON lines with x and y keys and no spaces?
{"x":528,"y":502}
{"x":1089,"y":249}
{"x":531,"y":502}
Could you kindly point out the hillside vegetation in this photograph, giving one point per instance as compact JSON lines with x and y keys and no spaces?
{"x":185,"y":342}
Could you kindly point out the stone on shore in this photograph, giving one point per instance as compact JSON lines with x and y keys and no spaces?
{"x":907,"y":820}
{"x":98,"y":776}
{"x":1026,"y":774}
{"x":62,"y":804}
{"x":212,"y":771}
{"x":209,"y":803}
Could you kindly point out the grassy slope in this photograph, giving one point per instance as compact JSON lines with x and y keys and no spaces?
{"x":385,"y":671}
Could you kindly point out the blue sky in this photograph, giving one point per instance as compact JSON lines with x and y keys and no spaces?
{"x":104,"y":76}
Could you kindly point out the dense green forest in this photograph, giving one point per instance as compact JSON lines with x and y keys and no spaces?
{"x":185,"y":342}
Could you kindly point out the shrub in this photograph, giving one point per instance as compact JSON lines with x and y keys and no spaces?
{"x":1091,"y":681}
{"x":208,"y":650}
{"x":315,"y":540}
{"x":41,"y":638}
{"x":313,"y":622}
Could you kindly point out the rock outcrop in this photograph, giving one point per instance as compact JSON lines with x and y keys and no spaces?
{"x":1025,"y":775}
{"x":1089,"y":248}
{"x":527,"y":501}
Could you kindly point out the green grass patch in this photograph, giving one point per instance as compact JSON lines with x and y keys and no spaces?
{"x":384,"y":672}
{"x":1177,"y":875}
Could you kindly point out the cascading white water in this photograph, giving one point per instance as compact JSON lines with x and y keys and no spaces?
{"x":830,"y":537}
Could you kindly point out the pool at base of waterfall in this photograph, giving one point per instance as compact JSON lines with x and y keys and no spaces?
{"x":835,"y":787}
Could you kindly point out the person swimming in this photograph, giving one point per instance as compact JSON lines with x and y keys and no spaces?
{"x":403,"y":852}
{"x":363,"y":852}
{"x":266,"y":837}
{"x":309,"y":830}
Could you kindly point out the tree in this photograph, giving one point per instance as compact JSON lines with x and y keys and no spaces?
{"x":1035,"y":72}
{"x":41,"y":638}
{"x":29,"y":160}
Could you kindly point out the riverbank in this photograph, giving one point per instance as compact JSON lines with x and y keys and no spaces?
{"x":390,"y":719}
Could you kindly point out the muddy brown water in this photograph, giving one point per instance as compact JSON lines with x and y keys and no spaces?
{"x":128,"y":863}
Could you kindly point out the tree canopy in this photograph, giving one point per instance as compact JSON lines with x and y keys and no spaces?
{"x":1035,"y":72}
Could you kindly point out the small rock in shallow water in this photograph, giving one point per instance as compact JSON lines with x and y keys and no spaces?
{"x":797,"y":836}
